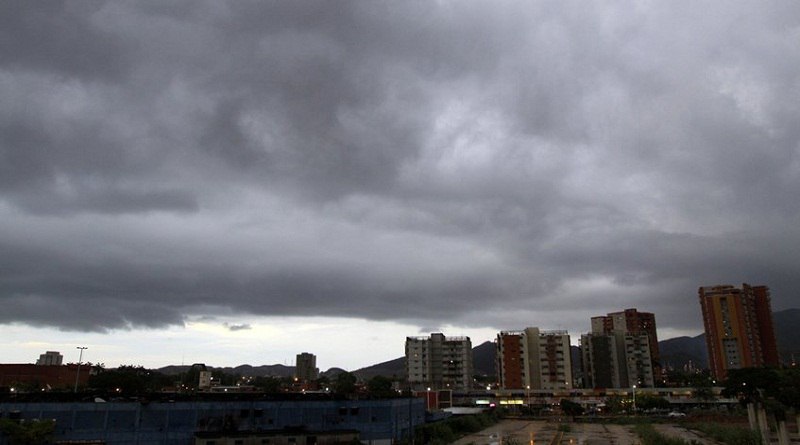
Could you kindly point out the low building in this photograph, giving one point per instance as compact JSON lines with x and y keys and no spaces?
{"x":382,"y":421}
{"x":36,"y":377}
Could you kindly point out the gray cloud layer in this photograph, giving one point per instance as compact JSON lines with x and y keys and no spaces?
{"x":485,"y":164}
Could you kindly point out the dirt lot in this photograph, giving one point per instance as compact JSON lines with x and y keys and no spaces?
{"x":534,"y":432}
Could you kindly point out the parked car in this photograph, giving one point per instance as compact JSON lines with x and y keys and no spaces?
{"x":676,"y":414}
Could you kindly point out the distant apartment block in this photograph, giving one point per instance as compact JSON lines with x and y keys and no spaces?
{"x":439,"y":362}
{"x":738,"y":326}
{"x":50,"y":358}
{"x":616,"y":360}
{"x":306,"y":367}
{"x":631,"y":321}
{"x":601,"y":364}
{"x":534,"y":359}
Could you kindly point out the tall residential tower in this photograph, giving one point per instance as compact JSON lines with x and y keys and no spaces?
{"x":738,"y":326}
{"x":621,"y":351}
{"x":305,"y":369}
{"x":534,"y":359}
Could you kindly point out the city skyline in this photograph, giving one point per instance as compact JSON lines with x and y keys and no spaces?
{"x":232,"y":182}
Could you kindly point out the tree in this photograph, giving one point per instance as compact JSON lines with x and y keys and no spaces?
{"x":128,"y":379}
{"x":346,"y":383}
{"x":31,"y":432}
{"x":380,"y":386}
{"x":270,"y":385}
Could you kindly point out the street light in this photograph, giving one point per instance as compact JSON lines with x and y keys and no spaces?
{"x":634,"y":399}
{"x":78,"y":372}
{"x":528,"y":396}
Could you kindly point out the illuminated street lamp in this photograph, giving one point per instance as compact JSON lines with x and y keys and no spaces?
{"x":634,"y":399}
{"x":528,"y":395}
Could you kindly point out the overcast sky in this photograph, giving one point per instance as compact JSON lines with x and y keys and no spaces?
{"x":237,"y":182}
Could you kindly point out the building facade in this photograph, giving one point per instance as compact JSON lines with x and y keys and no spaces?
{"x":378,"y":421}
{"x":631,"y":321}
{"x":534,"y":359}
{"x":50,"y":358}
{"x":306,"y":367}
{"x":601,"y":366}
{"x":618,"y":353}
{"x":439,"y":362}
{"x":37,"y":377}
{"x":738,"y":326}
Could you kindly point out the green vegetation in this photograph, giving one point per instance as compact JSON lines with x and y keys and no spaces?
{"x":757,"y":384}
{"x":449,"y":430}
{"x":129,"y":380}
{"x":728,"y":434}
{"x":345,"y":383}
{"x":27,"y":432}
{"x":650,"y":436}
{"x":380,"y":387}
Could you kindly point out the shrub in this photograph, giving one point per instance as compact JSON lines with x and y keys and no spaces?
{"x":729,"y":434}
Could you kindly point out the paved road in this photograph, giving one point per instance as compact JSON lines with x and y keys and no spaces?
{"x":540,"y":432}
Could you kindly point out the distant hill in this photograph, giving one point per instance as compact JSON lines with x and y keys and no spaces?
{"x":392,"y":369}
{"x":679,"y":351}
{"x":243,"y":370}
{"x":484,"y":358}
{"x":787,"y":333}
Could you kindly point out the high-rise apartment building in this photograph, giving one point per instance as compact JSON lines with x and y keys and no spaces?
{"x":50,"y":358}
{"x":305,"y":369}
{"x":631,"y":321}
{"x":738,"y":326}
{"x":616,"y":360}
{"x":439,"y":362}
{"x":534,"y":359}
{"x":601,"y":364}
{"x":621,"y":351}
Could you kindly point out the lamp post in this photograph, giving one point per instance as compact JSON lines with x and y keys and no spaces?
{"x":78,"y":372}
{"x":634,"y":399}
{"x":528,"y":396}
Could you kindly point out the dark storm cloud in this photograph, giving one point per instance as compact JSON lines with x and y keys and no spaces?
{"x":497,"y":165}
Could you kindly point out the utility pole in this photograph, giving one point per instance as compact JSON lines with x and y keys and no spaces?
{"x":78,"y":372}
